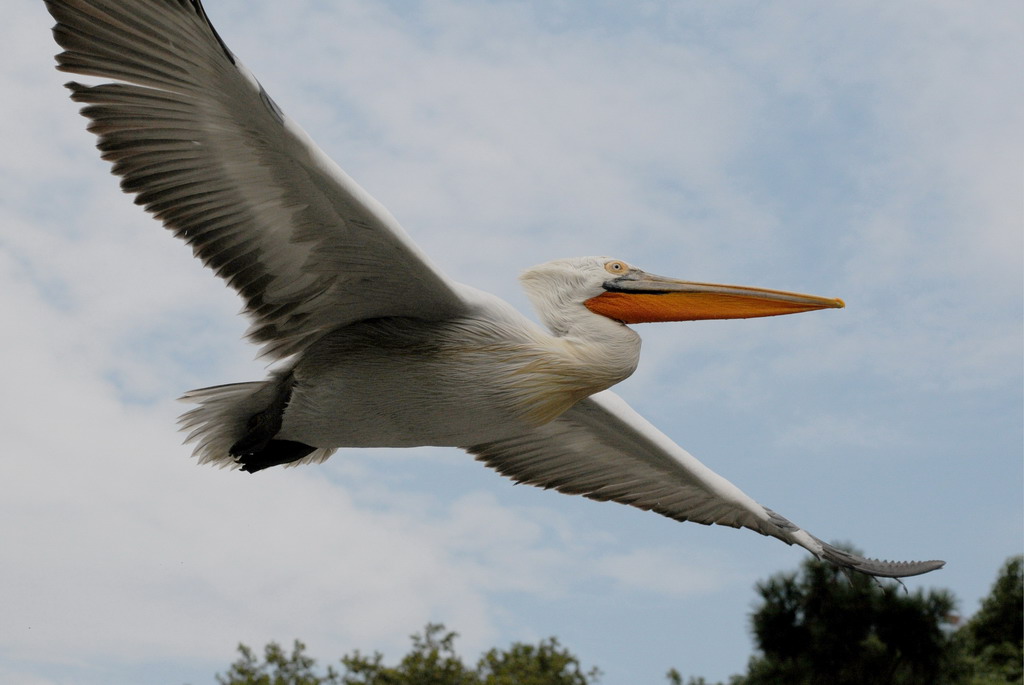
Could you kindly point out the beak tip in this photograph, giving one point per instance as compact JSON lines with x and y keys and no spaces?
{"x":840,"y":304}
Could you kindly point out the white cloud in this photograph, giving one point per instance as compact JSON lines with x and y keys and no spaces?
{"x":665,"y":572}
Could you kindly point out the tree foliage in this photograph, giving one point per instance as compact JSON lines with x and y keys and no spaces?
{"x":545,"y":664}
{"x":818,"y":626}
{"x":278,"y":668}
{"x":432,"y":661}
{"x":992,"y":642}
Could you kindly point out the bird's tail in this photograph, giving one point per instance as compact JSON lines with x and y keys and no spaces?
{"x":224,"y":416}
{"x":221,"y":417}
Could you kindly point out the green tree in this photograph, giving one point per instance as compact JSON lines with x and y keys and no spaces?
{"x":992,"y":641}
{"x":277,"y":668}
{"x":432,"y":661}
{"x":546,"y":664}
{"x":819,"y":626}
{"x":815,"y":626}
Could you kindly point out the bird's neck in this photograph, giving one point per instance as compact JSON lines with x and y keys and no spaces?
{"x":588,"y":357}
{"x":606,"y":350}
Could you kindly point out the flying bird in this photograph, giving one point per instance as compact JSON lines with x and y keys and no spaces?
{"x":375,"y":347}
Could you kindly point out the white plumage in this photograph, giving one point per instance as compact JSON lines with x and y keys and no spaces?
{"x":376,"y":346}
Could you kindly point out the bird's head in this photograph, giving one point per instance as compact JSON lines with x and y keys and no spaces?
{"x":564,"y":289}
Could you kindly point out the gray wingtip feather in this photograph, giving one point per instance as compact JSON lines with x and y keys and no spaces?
{"x":877,"y":567}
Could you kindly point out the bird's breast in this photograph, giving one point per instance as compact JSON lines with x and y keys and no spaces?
{"x":401,"y":383}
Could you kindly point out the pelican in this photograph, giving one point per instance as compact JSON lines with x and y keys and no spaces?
{"x":373,"y":345}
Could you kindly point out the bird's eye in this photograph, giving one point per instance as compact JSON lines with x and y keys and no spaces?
{"x":616,"y":267}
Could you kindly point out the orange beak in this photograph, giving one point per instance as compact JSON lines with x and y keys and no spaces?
{"x":640,"y":297}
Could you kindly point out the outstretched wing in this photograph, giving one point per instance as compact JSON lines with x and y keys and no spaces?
{"x":203,"y":147}
{"x":604,"y":450}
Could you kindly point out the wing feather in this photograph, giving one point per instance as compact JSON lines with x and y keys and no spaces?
{"x":603,"y":450}
{"x":203,"y":148}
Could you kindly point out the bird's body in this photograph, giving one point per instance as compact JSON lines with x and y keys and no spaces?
{"x":485,"y":374}
{"x":375,"y":346}
{"x":457,"y":384}
{"x":401,"y":382}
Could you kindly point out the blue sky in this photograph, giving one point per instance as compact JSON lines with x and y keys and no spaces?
{"x":871,"y":151}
